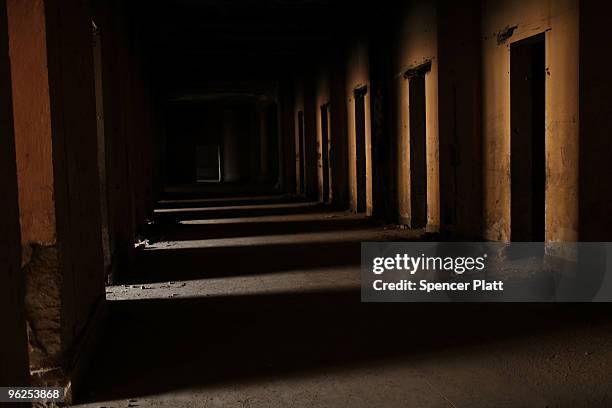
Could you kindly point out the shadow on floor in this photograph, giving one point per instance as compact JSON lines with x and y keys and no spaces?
{"x":210,"y":213}
{"x":227,"y":201}
{"x":161,"y":345}
{"x":188,"y":232}
{"x":164,"y":265}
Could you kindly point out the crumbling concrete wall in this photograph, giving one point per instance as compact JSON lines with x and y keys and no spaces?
{"x":357,"y":76}
{"x":44,"y":305}
{"x":504,"y":22}
{"x":415,"y":44}
{"x":13,"y":344}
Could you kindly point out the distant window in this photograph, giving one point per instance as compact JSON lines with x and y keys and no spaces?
{"x":208,"y":163}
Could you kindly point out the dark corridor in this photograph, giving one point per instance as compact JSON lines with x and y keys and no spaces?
{"x":188,"y":186}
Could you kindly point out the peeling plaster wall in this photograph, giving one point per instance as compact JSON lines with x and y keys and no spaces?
{"x":44,"y":305}
{"x":357,"y":75}
{"x":13,"y":345}
{"x":415,"y":43}
{"x":559,"y":19}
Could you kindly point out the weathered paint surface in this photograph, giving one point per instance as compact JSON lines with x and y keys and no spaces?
{"x":414,"y":45}
{"x":559,"y":20}
{"x":32,"y":118}
{"x":357,"y":75}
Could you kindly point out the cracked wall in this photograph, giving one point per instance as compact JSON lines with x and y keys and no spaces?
{"x":414,"y":44}
{"x":358,"y":76}
{"x":43,"y":306}
{"x":559,"y":20}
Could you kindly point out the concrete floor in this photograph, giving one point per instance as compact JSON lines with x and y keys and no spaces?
{"x":265,"y":312}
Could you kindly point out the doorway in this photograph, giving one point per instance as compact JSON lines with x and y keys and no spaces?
{"x":527,"y":144}
{"x":302,"y":147}
{"x":360,"y":145}
{"x":325,"y":163}
{"x":417,"y":106}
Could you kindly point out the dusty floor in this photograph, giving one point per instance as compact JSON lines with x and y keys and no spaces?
{"x":264,"y":311}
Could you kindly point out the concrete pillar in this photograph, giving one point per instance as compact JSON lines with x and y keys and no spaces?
{"x":305,"y":129}
{"x":13,"y":343}
{"x":357,"y":87}
{"x":58,"y":181}
{"x":338,"y":152}
{"x":460,"y":133}
{"x":287,"y":176}
{"x":310,"y":139}
{"x":381,"y":140}
{"x":110,"y":20}
{"x":133,"y":129}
